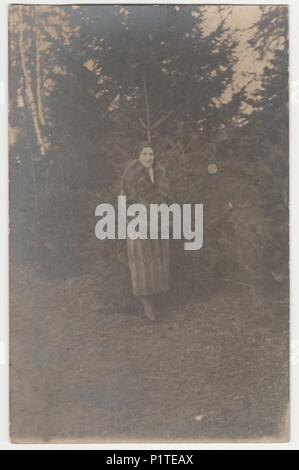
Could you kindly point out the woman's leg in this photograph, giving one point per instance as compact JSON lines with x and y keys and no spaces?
{"x":148,"y":306}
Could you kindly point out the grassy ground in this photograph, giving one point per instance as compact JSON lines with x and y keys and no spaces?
{"x":86,"y":364}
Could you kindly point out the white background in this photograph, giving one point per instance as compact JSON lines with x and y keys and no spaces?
{"x":294,"y":236}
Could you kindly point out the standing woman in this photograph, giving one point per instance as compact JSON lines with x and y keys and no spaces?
{"x":144,"y":181}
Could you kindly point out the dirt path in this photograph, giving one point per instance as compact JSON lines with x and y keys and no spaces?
{"x":212,"y":370}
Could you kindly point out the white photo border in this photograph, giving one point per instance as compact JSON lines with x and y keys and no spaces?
{"x":294,"y":236}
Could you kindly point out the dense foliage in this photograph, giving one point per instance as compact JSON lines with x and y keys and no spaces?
{"x":78,"y":77}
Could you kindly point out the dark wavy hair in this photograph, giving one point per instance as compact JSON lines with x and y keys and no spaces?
{"x":139,"y":147}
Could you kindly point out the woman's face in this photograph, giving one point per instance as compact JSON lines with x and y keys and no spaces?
{"x":147,"y":157}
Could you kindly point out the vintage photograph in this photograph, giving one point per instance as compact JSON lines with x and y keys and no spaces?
{"x":149,"y":223}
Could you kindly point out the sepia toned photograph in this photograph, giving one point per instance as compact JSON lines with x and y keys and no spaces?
{"x":149,"y":223}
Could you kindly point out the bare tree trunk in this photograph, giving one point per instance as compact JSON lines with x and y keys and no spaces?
{"x":149,"y":137}
{"x":28,"y":89}
{"x":33,"y":174}
{"x":39,"y":72}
